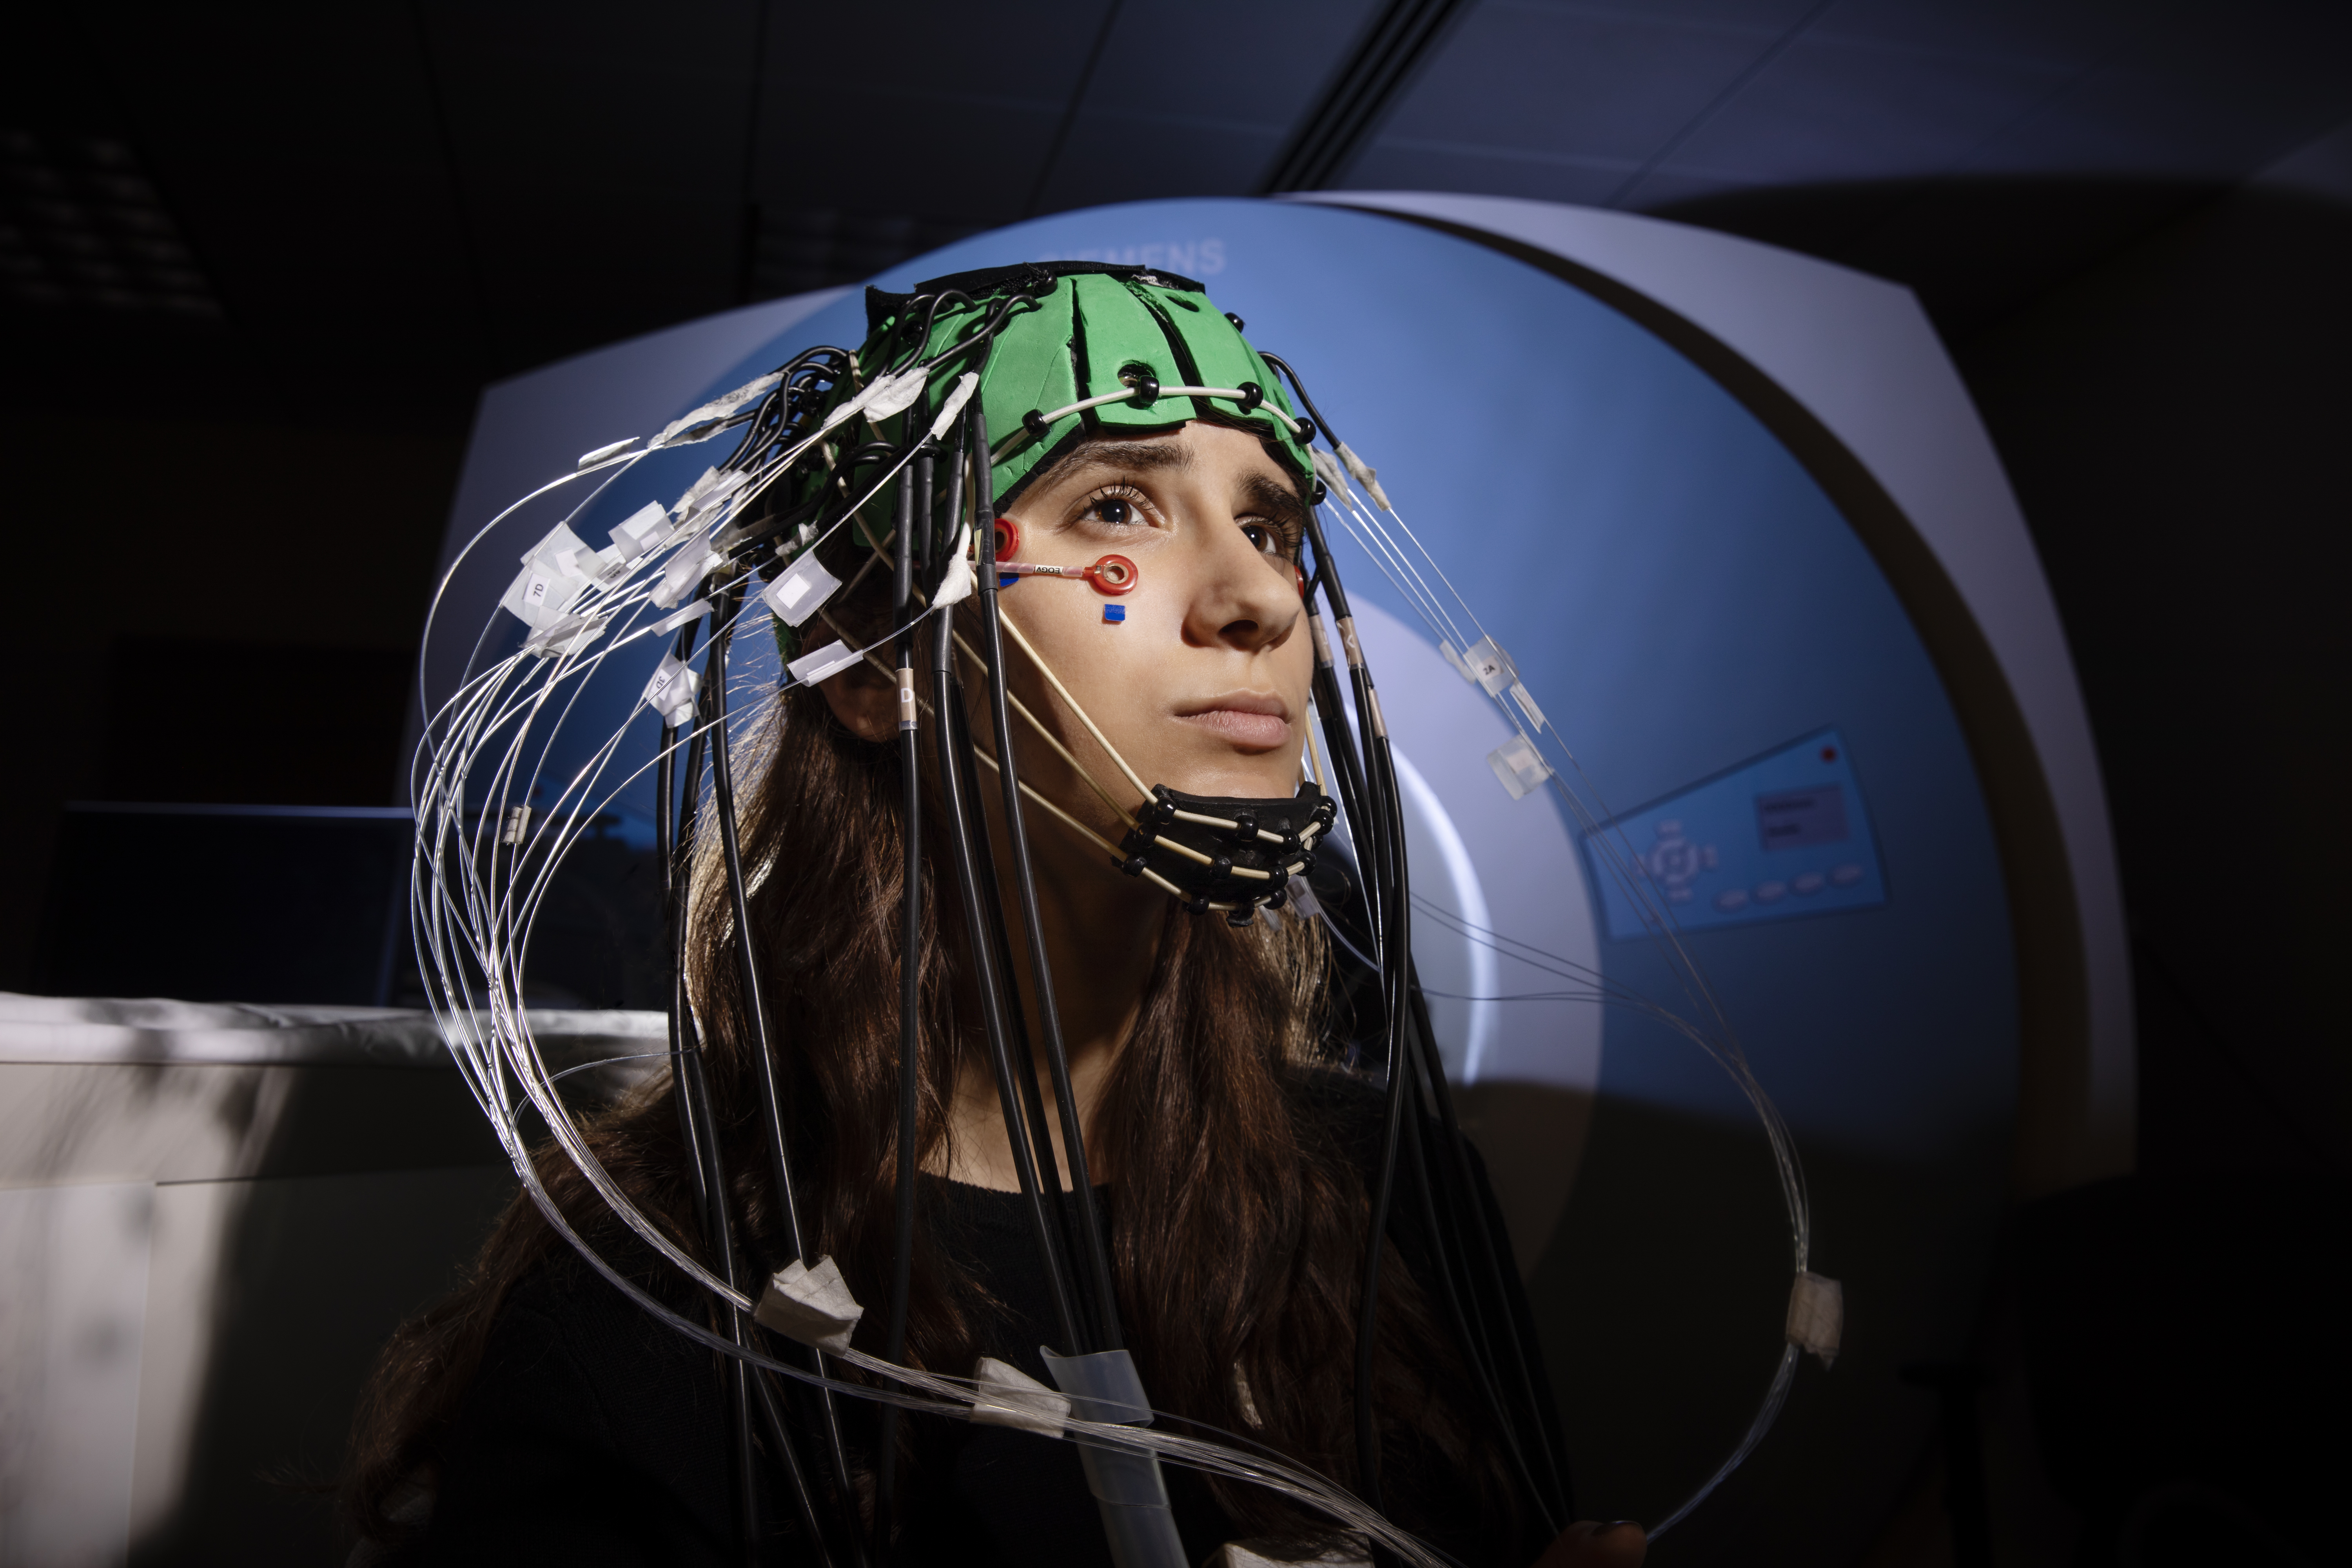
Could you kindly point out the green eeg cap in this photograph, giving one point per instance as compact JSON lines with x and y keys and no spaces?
{"x":1093,"y":328}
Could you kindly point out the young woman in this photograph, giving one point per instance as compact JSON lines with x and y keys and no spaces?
{"x":1232,"y":1152}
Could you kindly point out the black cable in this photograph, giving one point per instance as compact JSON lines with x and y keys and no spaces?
{"x":902,"y":1252}
{"x":1107,"y":1335}
{"x":762,"y":1042}
{"x":944,"y":704}
{"x":673,"y":880}
{"x":1463,"y":1304}
{"x":692,"y":1090}
{"x":1380,"y":859}
{"x":1298,"y":387}
{"x":1390,"y":914}
{"x":772,"y":1417}
{"x":1485,"y":1255}
{"x":1553,"y":1498}
{"x":755,"y":432}
{"x":930,"y":304}
{"x":1019,"y":1055}
{"x":985,"y":332}
{"x":1395,"y":938}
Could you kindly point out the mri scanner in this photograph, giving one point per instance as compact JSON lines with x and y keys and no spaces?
{"x":1732,"y":514}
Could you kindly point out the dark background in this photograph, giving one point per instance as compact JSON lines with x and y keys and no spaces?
{"x":257,"y":263}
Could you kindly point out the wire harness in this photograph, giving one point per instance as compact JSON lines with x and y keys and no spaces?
{"x":799,"y":514}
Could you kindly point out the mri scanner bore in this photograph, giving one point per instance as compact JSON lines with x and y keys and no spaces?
{"x":1705,"y":635}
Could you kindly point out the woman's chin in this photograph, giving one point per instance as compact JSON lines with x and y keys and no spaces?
{"x":1239,"y":778}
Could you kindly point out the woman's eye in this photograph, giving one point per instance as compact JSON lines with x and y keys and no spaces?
{"x":1264,"y":537}
{"x":1115,"y":509}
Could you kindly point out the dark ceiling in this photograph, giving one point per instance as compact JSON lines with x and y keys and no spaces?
{"x":374,"y":208}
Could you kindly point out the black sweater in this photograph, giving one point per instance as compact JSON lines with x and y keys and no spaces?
{"x":595,"y":1437}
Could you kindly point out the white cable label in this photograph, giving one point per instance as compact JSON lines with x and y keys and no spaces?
{"x":824,"y":664}
{"x":672,"y":690}
{"x":802,"y":589}
{"x":676,"y":618}
{"x":1519,"y":766}
{"x":637,"y":533}
{"x":1491,"y":667}
{"x":543,"y":591}
{"x":687,"y":568}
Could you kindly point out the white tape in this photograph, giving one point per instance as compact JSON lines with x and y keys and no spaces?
{"x":1366,"y":477}
{"x":843,"y":413}
{"x":672,"y":690}
{"x":1327,"y":469}
{"x":802,"y":538}
{"x":708,"y":493}
{"x":1817,"y":1315}
{"x":824,"y":664}
{"x":813,"y":1306}
{"x":1011,"y":1397}
{"x":1519,"y":766}
{"x":1527,"y":705}
{"x":717,"y":408}
{"x":959,"y":581}
{"x":957,"y":398}
{"x":894,"y":393}
{"x":802,"y":591}
{"x":1453,"y":659}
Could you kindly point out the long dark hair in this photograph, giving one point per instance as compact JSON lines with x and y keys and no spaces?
{"x":1239,"y":1205}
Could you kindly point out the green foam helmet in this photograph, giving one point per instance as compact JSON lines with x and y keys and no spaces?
{"x":1085,"y":330}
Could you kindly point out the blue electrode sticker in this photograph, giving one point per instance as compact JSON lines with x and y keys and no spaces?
{"x":1785,"y":834}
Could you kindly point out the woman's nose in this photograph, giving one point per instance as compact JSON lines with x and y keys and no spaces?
{"x":1245,"y":600}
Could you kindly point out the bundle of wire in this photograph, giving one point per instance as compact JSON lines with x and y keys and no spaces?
{"x":963,"y":389}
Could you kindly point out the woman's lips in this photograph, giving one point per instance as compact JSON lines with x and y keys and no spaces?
{"x":1251,"y":719}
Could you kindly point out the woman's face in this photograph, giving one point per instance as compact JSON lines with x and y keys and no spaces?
{"x":1203,"y":686}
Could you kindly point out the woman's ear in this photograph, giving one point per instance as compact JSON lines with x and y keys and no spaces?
{"x":865,"y":699}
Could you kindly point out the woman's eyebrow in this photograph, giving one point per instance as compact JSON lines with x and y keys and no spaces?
{"x":1273,"y":498}
{"x":1113,"y":453}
